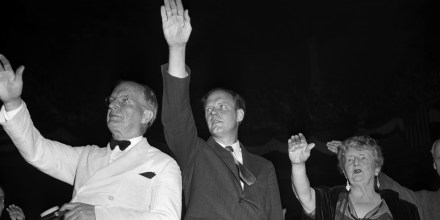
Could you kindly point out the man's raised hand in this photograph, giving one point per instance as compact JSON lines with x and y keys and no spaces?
{"x":333,"y":146}
{"x":176,"y":23}
{"x":11,"y":84}
{"x":15,"y":212}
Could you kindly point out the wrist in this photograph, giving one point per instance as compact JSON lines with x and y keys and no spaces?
{"x":12,"y":104}
{"x":300,"y":164}
{"x":177,"y":48}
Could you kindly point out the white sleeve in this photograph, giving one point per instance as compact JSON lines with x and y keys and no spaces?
{"x":10,"y":114}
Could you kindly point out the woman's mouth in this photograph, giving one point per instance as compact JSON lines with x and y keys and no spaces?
{"x":356,"y":171}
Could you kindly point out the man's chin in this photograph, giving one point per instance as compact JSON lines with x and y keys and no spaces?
{"x":215,"y":131}
{"x":112,"y":123}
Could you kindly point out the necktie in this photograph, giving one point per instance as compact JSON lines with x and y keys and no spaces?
{"x":245,"y":175}
{"x":122,"y":144}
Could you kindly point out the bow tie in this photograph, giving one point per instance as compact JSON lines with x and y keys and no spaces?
{"x":122,"y":144}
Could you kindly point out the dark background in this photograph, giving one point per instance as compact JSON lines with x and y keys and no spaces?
{"x":329,"y":69}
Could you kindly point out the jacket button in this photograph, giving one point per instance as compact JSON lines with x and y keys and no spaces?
{"x":110,"y":197}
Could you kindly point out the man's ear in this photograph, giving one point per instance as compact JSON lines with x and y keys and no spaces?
{"x":147,"y":116}
{"x":240,"y":115}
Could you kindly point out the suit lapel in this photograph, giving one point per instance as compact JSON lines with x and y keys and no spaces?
{"x":130,"y":160}
{"x":225,"y":156}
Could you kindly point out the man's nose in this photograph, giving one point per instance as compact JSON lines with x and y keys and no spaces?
{"x":214,"y":112}
{"x":113,"y":105}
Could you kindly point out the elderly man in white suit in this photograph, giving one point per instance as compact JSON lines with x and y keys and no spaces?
{"x":126,"y":180}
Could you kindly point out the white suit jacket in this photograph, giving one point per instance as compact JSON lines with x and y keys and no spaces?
{"x":144,"y":183}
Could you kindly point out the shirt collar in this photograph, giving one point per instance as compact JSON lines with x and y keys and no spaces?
{"x":235,"y":146}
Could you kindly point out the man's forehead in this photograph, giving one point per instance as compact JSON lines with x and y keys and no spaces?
{"x":220,"y":95}
{"x":127,"y":88}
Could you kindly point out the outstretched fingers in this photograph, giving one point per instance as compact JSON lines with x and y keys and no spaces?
{"x":173,"y":6}
{"x":299,"y":142}
{"x":292,"y":142}
{"x":333,"y":146}
{"x":163,"y":14}
{"x":19,"y":74}
{"x":5,"y":65}
{"x":168,"y":8}
{"x":299,"y":150}
{"x":179,"y":5}
{"x":301,"y":138}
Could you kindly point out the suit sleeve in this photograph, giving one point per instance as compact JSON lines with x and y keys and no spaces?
{"x":51,"y":157}
{"x":177,"y":118}
{"x":404,"y":193}
{"x":273,"y":205}
{"x":166,"y":201}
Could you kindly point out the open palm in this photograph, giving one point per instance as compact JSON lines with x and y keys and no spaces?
{"x":175,"y":23}
{"x":11,"y":84}
{"x":15,"y":212}
{"x":299,"y":150}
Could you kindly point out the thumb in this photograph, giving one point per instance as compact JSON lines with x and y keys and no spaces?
{"x":19,"y":74}
{"x":186,"y":15}
{"x":310,"y":146}
{"x":67,"y":206}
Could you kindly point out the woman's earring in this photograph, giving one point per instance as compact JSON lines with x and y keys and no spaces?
{"x":347,"y":187}
{"x":377,"y":181}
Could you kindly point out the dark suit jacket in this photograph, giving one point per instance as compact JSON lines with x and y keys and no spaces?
{"x":211,"y":183}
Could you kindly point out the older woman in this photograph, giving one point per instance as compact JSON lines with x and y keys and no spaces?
{"x":360,"y":160}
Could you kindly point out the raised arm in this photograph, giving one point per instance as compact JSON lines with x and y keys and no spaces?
{"x":299,"y":152}
{"x":176,"y":28}
{"x":177,"y":118}
{"x":11,"y":84}
{"x":387,"y":182}
{"x":55,"y":159}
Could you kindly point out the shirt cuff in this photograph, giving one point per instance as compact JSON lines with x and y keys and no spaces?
{"x":165,"y":70}
{"x":10,"y":114}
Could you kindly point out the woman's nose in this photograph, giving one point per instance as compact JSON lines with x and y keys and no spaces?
{"x":356,"y":161}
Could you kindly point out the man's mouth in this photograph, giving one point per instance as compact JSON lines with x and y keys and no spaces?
{"x":112,"y":115}
{"x":214,"y":121}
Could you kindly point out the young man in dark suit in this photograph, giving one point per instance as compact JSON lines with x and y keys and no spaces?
{"x":221,"y":180}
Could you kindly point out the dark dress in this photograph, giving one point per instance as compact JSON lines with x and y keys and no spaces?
{"x":327,"y":199}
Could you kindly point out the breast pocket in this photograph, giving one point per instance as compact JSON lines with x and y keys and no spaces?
{"x":136,"y":191}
